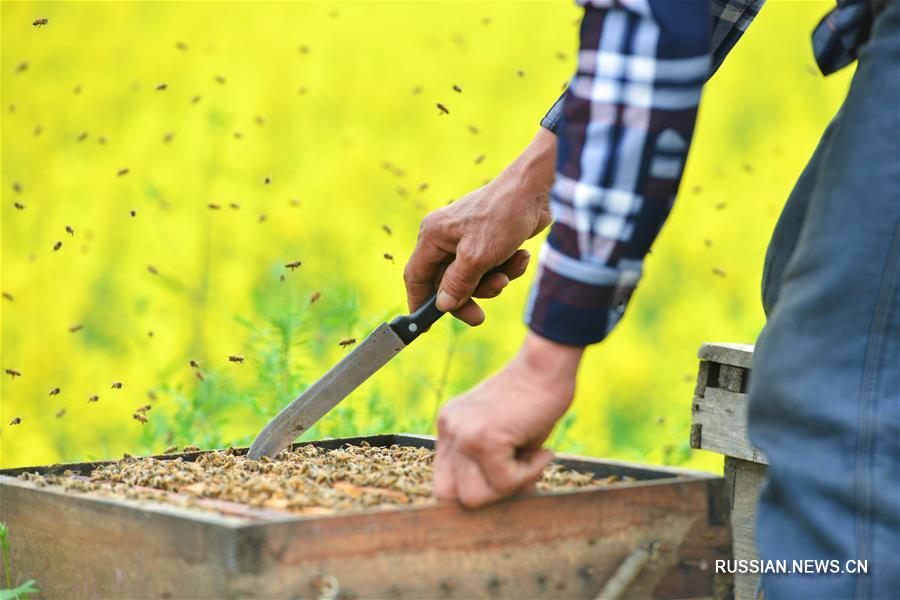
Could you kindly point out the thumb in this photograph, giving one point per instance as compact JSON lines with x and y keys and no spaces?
{"x":459,"y":281}
{"x":531,"y":467}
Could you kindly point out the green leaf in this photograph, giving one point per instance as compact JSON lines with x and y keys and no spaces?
{"x":26,"y":589}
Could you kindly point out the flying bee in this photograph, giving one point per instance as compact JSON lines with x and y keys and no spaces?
{"x":302,"y":90}
{"x":234,"y":205}
{"x":76,"y":327}
{"x":94,"y":398}
{"x":720,"y":205}
{"x":37,"y":130}
{"x":561,"y":56}
{"x":443,"y":109}
{"x":295,"y":203}
{"x":417,"y":90}
{"x":457,"y":89}
{"x":387,"y":229}
{"x":236,"y":358}
{"x":15,"y":421}
{"x":707,"y":242}
{"x":19,"y":205}
{"x":388,"y":256}
{"x":139,"y":417}
{"x":152,"y":270}
{"x":181,"y":45}
{"x":473,"y":130}
{"x":167,"y":138}
{"x":259,"y":120}
{"x":54,"y":392}
{"x":347,"y":342}
{"x":195,"y":99}
{"x":262,"y":218}
{"x":423,"y":186}
{"x":60,"y":413}
{"x":719,"y":272}
{"x":220,"y":79}
{"x":81,"y":136}
{"x":8,"y":296}
{"x":143,"y":408}
{"x":161,"y":86}
{"x":293,"y":265}
{"x":117,"y":385}
{"x":123,"y":171}
{"x":13,"y":373}
{"x":17,"y":187}
{"x":194,"y":364}
{"x":199,"y":375}
{"x":69,"y":230}
{"x":213,"y":206}
{"x":101,"y":140}
{"x":479,"y":159}
{"x":520,"y":73}
{"x":132,"y":212}
{"x":314,"y":296}
{"x":238,"y":135}
{"x":57,"y":246}
{"x":40,"y":21}
{"x":22,"y":66}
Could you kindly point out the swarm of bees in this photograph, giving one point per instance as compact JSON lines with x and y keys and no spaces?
{"x":306,"y":480}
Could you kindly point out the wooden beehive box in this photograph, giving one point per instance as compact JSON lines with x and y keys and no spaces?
{"x":719,"y":424}
{"x":551,"y":545}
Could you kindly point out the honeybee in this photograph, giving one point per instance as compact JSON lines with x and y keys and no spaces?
{"x":181,"y":45}
{"x":17,"y":187}
{"x":57,"y":246}
{"x":13,"y":373}
{"x":19,"y":205}
{"x":117,"y":385}
{"x":314,"y":296}
{"x":719,"y":272}
{"x":416,"y":90}
{"x":144,"y":408}
{"x":473,"y":130}
{"x":267,"y":180}
{"x":15,"y":421}
{"x":388,"y":256}
{"x":294,"y":202}
{"x":479,"y":159}
{"x":236,"y":358}
{"x":423,"y":186}
{"x":213,"y":206}
{"x":194,"y":364}
{"x":720,"y":205}
{"x":76,"y":327}
{"x":220,"y":79}
{"x":387,"y":229}
{"x":234,"y":205}
{"x":259,"y":120}
{"x":69,"y":230}
{"x":101,"y":140}
{"x":293,"y":265}
{"x":195,"y":99}
{"x":37,"y":130}
{"x":191,"y":448}
{"x":443,"y":109}
{"x":139,"y":417}
{"x":238,"y":135}
{"x":55,"y":391}
{"x":123,"y":171}
{"x":161,"y":86}
{"x":8,"y":296}
{"x":168,"y":137}
{"x":707,"y":242}
{"x":262,"y":218}
{"x":302,"y":90}
{"x":81,"y":136}
{"x":457,"y":89}
{"x":152,"y":270}
{"x":94,"y":398}
{"x":40,"y":21}
{"x":347,"y":342}
{"x":60,"y":413}
{"x":132,"y":212}
{"x":171,"y":450}
{"x":520,"y":73}
{"x":22,"y":66}
{"x":199,"y":375}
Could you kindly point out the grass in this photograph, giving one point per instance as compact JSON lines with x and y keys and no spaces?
{"x":9,"y":592}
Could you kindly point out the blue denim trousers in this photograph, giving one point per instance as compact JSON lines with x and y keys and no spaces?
{"x":825,"y":389}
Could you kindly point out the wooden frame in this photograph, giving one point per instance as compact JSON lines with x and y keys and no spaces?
{"x":551,"y":545}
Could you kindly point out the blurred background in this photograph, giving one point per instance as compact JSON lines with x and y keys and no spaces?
{"x":259,"y":134}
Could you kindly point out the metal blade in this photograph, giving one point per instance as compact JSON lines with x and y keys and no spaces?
{"x":370,"y":355}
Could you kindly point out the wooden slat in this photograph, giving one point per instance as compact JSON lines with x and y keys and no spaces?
{"x":745,"y":479}
{"x":736,"y":355}
{"x":720,"y":421}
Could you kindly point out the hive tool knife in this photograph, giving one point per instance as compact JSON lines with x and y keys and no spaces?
{"x":371,"y":354}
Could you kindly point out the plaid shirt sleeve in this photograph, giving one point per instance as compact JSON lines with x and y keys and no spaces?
{"x":626,"y":124}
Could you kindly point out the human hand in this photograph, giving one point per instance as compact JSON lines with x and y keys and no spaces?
{"x":482,"y":231}
{"x":490,"y":438}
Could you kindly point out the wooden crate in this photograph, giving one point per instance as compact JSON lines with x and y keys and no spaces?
{"x":552,"y":545}
{"x":719,"y":424}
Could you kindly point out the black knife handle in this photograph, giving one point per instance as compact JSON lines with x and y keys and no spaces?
{"x":409,"y":327}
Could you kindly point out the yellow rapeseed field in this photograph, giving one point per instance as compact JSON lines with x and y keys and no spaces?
{"x":258,"y":134}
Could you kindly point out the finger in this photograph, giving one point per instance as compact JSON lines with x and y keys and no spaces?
{"x":470,"y":313}
{"x":491,"y":285}
{"x":444,"y":483}
{"x":508,"y":474}
{"x":422,"y":271}
{"x":516,"y":265}
{"x":460,"y":279}
{"x":473,"y":489}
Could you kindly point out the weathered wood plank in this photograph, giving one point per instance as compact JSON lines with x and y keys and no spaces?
{"x":745,"y":478}
{"x":722,"y":419}
{"x":736,"y":355}
{"x":733,"y":379}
